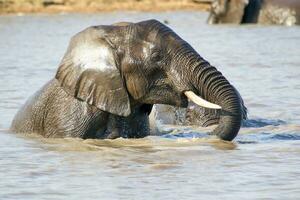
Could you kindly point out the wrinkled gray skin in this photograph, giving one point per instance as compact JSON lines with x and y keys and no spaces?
{"x":110,"y":77}
{"x":283,"y":12}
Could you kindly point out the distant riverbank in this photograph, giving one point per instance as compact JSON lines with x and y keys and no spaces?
{"x":94,"y":6}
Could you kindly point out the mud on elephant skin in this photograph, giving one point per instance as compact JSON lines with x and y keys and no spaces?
{"x":282,"y":12}
{"x":110,"y":77}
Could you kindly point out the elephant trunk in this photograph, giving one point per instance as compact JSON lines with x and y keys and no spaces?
{"x":208,"y":83}
{"x":211,"y":85}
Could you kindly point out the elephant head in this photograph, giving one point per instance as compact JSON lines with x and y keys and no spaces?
{"x":234,"y":11}
{"x":117,"y":67}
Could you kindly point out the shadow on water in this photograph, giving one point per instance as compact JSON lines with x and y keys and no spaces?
{"x":266,"y":137}
{"x":258,"y":123}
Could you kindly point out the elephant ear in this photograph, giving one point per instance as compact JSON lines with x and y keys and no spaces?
{"x":89,"y":72}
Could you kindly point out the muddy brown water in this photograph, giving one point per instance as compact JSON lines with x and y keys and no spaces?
{"x":184,"y":163}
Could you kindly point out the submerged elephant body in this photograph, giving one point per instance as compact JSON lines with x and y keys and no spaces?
{"x":52,"y":112}
{"x":111,"y":76}
{"x":282,"y":12}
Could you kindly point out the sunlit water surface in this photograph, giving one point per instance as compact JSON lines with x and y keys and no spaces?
{"x":262,"y":163}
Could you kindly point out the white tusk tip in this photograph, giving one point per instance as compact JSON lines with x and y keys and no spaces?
{"x":201,"y":102}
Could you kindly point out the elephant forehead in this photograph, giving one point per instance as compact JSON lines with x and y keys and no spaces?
{"x":93,"y":56}
{"x":141,"y":49}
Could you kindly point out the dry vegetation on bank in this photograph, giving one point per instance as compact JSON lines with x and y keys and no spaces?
{"x":90,"y":6}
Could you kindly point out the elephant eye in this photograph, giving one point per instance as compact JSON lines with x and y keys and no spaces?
{"x":156,"y":56}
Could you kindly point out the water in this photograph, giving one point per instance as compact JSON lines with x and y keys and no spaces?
{"x":262,"y":163}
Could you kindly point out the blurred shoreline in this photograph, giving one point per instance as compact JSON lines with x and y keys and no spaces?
{"x":95,"y":6}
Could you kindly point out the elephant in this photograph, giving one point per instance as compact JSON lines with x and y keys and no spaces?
{"x":111,"y":76}
{"x":283,"y":12}
{"x":227,"y":11}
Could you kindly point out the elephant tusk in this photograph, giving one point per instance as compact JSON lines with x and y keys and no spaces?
{"x":201,"y":102}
